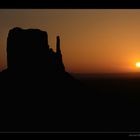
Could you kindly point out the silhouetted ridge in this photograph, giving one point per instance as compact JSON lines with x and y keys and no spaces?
{"x":36,"y":84}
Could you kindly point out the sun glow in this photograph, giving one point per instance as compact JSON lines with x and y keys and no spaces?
{"x":138,"y":64}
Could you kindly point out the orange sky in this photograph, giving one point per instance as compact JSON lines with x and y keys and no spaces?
{"x":92,"y":41}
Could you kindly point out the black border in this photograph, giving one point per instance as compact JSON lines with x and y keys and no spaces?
{"x":70,"y":4}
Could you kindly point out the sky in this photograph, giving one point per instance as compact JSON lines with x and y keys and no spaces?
{"x":92,"y":40}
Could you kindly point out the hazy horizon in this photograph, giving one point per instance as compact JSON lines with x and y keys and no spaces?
{"x":92,"y":40}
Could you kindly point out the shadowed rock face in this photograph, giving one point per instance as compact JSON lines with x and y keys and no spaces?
{"x":28,"y":50}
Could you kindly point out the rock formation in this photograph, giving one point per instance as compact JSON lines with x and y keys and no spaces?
{"x":38,"y":91}
{"x":28,"y":50}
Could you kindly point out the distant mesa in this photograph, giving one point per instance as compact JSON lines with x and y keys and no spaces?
{"x":28,"y":49}
{"x":29,"y":56}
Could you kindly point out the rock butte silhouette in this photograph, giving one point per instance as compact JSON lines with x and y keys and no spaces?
{"x":38,"y":93}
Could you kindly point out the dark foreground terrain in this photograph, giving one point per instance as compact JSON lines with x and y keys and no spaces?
{"x":114,"y":102}
{"x":90,"y":104}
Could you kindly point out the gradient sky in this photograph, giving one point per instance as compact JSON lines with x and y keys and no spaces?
{"x":92,"y":41}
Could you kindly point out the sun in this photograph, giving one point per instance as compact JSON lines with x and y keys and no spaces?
{"x":138,"y":64}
